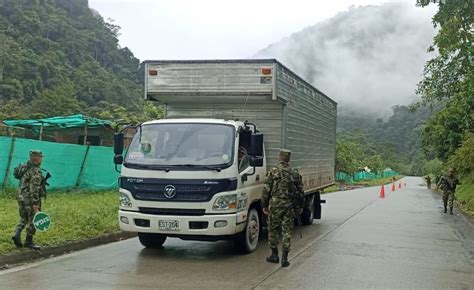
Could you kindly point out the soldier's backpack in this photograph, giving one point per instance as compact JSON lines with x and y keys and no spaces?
{"x":297,"y":199}
{"x":20,"y":170}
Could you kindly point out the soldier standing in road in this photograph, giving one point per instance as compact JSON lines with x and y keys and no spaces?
{"x":29,"y":198}
{"x":448,"y":185}
{"x":282,"y":187}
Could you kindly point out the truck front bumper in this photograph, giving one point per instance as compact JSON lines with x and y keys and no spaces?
{"x":206,"y":225}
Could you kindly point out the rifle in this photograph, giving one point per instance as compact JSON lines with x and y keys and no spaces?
{"x":296,"y":208}
{"x":298,"y":222}
{"x":45,"y":183}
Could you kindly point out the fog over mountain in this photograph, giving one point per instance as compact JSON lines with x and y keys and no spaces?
{"x":368,"y":58}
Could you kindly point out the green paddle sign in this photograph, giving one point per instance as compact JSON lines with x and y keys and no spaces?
{"x":41,"y":221}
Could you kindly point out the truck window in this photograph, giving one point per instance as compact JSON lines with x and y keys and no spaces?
{"x":182,"y":144}
{"x":244,"y":146}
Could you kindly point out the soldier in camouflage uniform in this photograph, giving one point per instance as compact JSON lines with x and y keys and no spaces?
{"x":29,"y":198}
{"x":282,"y":186}
{"x":448,"y":185}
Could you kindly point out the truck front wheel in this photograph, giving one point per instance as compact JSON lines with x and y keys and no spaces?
{"x":247,"y":241}
{"x":149,"y":240}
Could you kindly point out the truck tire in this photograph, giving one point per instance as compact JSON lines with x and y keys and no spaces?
{"x":307,"y":216}
{"x":246,"y":241}
{"x":149,"y":240}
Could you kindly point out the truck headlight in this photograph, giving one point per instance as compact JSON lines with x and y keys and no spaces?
{"x":125,"y":200}
{"x":225,"y":202}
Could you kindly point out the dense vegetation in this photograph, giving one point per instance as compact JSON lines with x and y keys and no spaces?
{"x":59,"y":57}
{"x":449,"y":81}
{"x":378,"y":144}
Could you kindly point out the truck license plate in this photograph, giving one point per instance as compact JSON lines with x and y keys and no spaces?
{"x":168,"y":225}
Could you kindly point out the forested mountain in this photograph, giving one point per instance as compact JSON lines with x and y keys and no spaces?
{"x":60,"y":57}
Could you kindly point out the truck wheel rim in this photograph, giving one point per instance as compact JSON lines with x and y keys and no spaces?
{"x":253,"y":230}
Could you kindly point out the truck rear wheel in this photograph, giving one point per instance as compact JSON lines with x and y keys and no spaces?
{"x":149,"y":240}
{"x":247,"y":241}
{"x":307,"y":216}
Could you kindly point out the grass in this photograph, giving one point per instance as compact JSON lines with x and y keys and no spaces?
{"x":75,"y":216}
{"x":376,"y":182}
{"x":465,"y":194}
{"x":361,"y":183}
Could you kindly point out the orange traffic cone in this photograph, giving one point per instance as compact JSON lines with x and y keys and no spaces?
{"x":393,"y":186}
{"x":400,"y":185}
{"x":382,"y":192}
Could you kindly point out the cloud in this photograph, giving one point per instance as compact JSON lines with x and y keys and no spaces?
{"x":368,"y":58}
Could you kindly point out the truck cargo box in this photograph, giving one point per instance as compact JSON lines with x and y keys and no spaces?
{"x":290,"y":112}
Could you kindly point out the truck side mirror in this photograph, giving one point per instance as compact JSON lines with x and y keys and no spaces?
{"x":118,"y":159}
{"x":256,"y":144}
{"x":118,"y":143}
{"x":256,"y":161}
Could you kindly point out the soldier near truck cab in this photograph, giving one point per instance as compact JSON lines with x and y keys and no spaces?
{"x":282,"y":187}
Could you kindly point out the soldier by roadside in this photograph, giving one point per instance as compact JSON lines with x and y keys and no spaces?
{"x":29,"y":198}
{"x":448,"y":185}
{"x":428,"y":181}
{"x":282,"y":187}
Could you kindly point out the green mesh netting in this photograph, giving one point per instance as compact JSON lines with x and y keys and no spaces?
{"x":362,"y":175}
{"x":64,"y":162}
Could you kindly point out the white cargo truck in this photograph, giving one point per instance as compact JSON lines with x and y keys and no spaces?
{"x":198,"y":174}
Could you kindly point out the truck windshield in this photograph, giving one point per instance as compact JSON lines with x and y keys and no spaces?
{"x":181,"y":145}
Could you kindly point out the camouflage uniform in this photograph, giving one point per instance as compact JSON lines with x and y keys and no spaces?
{"x":276,"y":198}
{"x":28,"y":196}
{"x":448,"y":185}
{"x":428,"y":181}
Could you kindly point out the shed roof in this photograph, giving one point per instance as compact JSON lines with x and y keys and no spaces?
{"x":60,"y":122}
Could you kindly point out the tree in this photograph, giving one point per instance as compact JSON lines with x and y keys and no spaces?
{"x":435,"y":167}
{"x":463,"y":159}
{"x":449,"y":78}
{"x":12,"y":110}
{"x":60,"y":101}
{"x":346,"y":156}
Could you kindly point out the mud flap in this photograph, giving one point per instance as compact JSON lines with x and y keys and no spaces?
{"x":317,"y":205}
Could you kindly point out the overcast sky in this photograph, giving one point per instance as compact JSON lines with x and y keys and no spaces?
{"x":200,"y":29}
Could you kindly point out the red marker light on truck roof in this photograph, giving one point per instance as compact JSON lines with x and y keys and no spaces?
{"x":266,"y":71}
{"x":153,"y":72}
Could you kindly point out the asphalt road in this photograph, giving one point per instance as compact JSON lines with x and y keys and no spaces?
{"x":402,"y":241}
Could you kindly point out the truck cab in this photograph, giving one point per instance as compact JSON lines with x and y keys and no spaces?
{"x":194,"y":179}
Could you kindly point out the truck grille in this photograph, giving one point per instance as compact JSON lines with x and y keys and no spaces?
{"x":179,"y":196}
{"x":172,"y":211}
{"x":190,"y":190}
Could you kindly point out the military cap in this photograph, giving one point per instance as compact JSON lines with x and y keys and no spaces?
{"x":285,"y":152}
{"x":36,"y":153}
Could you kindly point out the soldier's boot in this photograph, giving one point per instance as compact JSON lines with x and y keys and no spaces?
{"x":284,"y":258}
{"x":17,"y":237}
{"x":445,"y":207}
{"x":273,"y":258}
{"x":451,"y":210}
{"x":29,"y":243}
